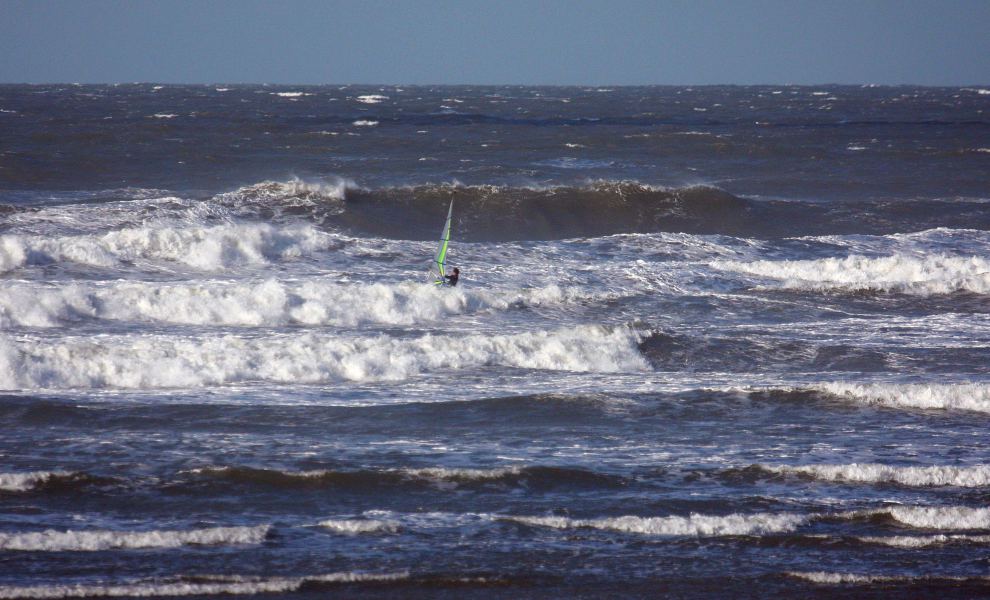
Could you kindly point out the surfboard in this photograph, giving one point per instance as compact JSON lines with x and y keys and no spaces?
{"x":439,"y":268}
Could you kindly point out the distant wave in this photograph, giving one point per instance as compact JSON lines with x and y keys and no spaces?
{"x":924,"y":541}
{"x":91,"y":541}
{"x":22,"y":482}
{"x":922,"y":476}
{"x":827,"y":578}
{"x":917,"y":517}
{"x":48,"y":481}
{"x":359,"y":526}
{"x":937,"y":517}
{"x":446,"y":478}
{"x":486,"y":213}
{"x":195,"y":585}
{"x":692,"y":525}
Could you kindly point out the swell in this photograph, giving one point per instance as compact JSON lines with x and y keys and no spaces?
{"x":530,"y":477}
{"x":198,"y":585}
{"x":49,"y":481}
{"x":484,"y":213}
{"x":595,"y":208}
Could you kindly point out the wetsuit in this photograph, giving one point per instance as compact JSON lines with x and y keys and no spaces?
{"x":451,"y":279}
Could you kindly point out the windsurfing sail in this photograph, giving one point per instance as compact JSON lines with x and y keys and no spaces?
{"x":440,"y":260}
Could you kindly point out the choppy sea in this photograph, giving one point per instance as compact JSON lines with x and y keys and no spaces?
{"x":707,"y":342}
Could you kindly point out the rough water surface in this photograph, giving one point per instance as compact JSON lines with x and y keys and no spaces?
{"x":708,"y":342}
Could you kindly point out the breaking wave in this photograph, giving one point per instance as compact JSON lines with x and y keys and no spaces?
{"x":22,"y":482}
{"x":36,"y":481}
{"x":194,"y":585}
{"x":92,"y":541}
{"x":976,"y":476}
{"x":924,"y":276}
{"x":692,"y":525}
{"x":924,"y":541}
{"x":962,"y":396}
{"x":826,"y":578}
{"x":936,"y":517}
{"x":260,"y":303}
{"x":202,"y":248}
{"x":160,"y":361}
{"x":358,"y":526}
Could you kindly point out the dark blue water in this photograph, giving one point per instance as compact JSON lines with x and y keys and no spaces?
{"x":707,"y":341}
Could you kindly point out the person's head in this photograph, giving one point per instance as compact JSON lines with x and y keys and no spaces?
{"x":457,"y":271}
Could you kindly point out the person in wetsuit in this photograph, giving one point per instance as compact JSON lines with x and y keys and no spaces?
{"x":452,"y":278}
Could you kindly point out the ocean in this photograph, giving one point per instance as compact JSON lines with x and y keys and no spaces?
{"x":707,"y":342}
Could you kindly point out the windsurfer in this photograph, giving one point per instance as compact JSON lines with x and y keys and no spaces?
{"x":452,"y":278}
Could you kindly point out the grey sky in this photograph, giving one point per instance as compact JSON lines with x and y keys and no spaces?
{"x":498,"y":41}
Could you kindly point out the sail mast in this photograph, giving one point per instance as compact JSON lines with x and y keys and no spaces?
{"x":440,"y":260}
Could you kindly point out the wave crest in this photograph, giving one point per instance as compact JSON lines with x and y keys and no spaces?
{"x":92,"y":541}
{"x":975,"y":476}
{"x":692,"y":525}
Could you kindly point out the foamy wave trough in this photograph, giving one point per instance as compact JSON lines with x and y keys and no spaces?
{"x":91,"y":541}
{"x":929,"y":275}
{"x":158,"y":361}
{"x":975,"y":476}
{"x":963,"y":396}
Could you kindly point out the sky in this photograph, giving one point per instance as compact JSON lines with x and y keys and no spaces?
{"x":550,"y":42}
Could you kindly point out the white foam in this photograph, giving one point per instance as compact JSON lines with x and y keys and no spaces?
{"x":371,"y":99}
{"x":23,"y":482}
{"x":962,"y":396}
{"x":164,"y":116}
{"x":92,"y":541}
{"x":364,"y":123}
{"x":290,"y":94}
{"x":944,"y":518}
{"x":255,"y":303}
{"x":692,"y":525}
{"x":358,"y":526}
{"x":450,"y":474}
{"x":975,"y":476}
{"x":163,"y":361}
{"x":924,"y":541}
{"x":204,"y":248}
{"x":939,"y":517}
{"x":928,"y":275}
{"x":853,"y":578}
{"x":198,"y":585}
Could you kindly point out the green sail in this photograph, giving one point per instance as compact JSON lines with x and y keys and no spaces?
{"x":440,"y":260}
